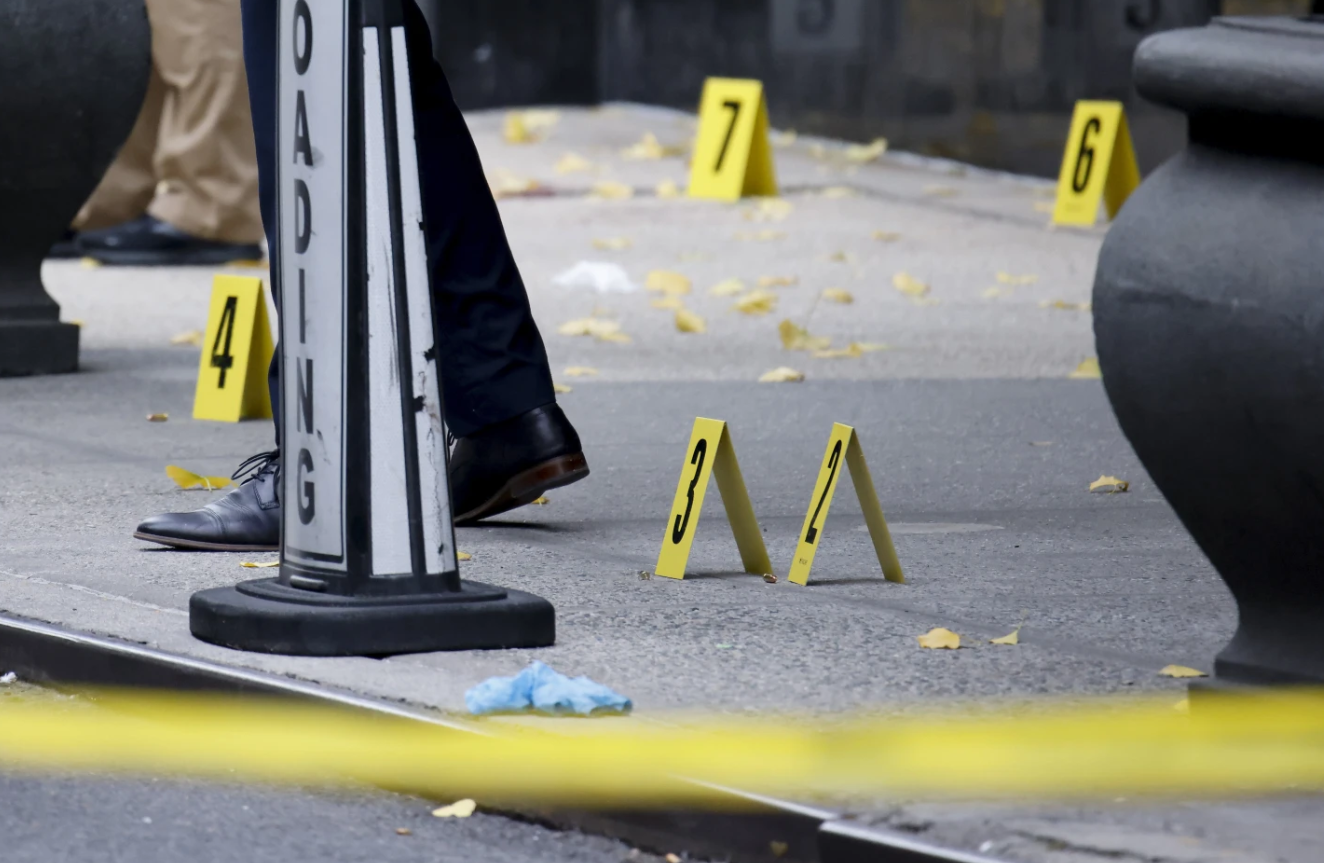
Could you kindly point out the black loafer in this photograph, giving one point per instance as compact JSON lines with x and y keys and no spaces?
{"x":246,"y":519}
{"x":514,"y":463}
{"x":150,"y":242}
{"x":65,"y":248}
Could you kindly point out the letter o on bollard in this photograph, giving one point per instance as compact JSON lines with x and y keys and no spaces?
{"x":303,"y":25}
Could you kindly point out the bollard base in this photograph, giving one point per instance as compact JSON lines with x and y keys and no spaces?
{"x":37,"y":348}
{"x":266,"y":617}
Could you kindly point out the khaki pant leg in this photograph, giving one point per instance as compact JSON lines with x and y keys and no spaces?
{"x":205,"y":155}
{"x":130,"y":182}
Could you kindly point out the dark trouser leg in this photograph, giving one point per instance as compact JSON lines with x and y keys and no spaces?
{"x":260,"y":55}
{"x":493,"y":363}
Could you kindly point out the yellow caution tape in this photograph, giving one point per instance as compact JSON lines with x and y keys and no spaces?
{"x":1227,"y":745}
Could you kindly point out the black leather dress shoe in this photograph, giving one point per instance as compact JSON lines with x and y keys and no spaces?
{"x":513,"y":463}
{"x":66,"y":247}
{"x":246,"y":519}
{"x":148,"y":242}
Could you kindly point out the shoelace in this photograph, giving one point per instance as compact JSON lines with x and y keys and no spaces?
{"x":256,"y":466}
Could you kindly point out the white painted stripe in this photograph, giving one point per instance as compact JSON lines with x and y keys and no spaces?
{"x":438,"y":533}
{"x":390,"y":503}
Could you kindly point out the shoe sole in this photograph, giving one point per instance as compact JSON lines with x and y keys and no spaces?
{"x":526,"y":487}
{"x":197,"y":545}
{"x":218,"y":258}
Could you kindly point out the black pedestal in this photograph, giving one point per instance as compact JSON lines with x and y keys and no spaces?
{"x":72,"y":78}
{"x":1209,"y":318}
{"x":267,"y":617}
{"x":37,"y":348}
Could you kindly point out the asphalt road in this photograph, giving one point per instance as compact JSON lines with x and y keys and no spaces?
{"x":146,"y":820}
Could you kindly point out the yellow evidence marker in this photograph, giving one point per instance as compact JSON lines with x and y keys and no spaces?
{"x":1100,"y":164}
{"x":732,"y":156}
{"x":236,"y":351}
{"x":844,"y":443}
{"x":711,"y":452}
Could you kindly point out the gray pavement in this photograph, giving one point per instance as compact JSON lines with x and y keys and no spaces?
{"x":981,"y":448}
{"x":104,"y":819}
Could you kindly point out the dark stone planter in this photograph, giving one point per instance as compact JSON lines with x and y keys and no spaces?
{"x":73,"y":74}
{"x":1209,"y":317}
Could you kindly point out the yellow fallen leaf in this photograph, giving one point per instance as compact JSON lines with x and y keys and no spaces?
{"x":528,"y":127}
{"x":693,"y":257}
{"x":89,"y":263}
{"x":909,"y":285}
{"x":463,"y":555}
{"x":458,"y":809}
{"x":837,"y":192}
{"x":818,"y":151}
{"x":760,"y":236}
{"x":506,"y":184}
{"x":778,"y":849}
{"x":839,"y":295}
{"x":841,"y":257}
{"x":851,"y":352}
{"x":861,"y":153}
{"x":580,"y":372}
{"x":669,"y":304}
{"x":778,"y":281}
{"x":189,"y":479}
{"x":941,"y":191}
{"x":667,"y":282}
{"x":939,"y":639}
{"x":785,"y":138}
{"x":756,"y":302}
{"x":796,"y":338}
{"x":1009,"y":279}
{"x":1065,"y":306}
{"x":649,"y":148}
{"x":871,"y":347}
{"x":886,"y":236}
{"x":270,"y":564}
{"x":1110,"y":484}
{"x":769,"y":210}
{"x":157,"y":418}
{"x":599,"y":328}
{"x":573,"y":163}
{"x":673,"y":858}
{"x":613,"y":244}
{"x":667,"y":189}
{"x":1014,"y":637}
{"x":542,"y":501}
{"x":688,"y":322}
{"x":781,"y":375}
{"x":562,"y":389}
{"x":994,"y":293}
{"x":1087,"y":370}
{"x":1181,"y":671}
{"x":727,"y":288}
{"x":188,"y":337}
{"x":609,"y":190}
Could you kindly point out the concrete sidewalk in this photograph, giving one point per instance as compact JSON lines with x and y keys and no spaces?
{"x":981,"y":448}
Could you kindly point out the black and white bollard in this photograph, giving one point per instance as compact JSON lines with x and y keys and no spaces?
{"x":368,"y":561}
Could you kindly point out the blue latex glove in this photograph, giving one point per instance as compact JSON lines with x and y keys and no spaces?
{"x":542,"y":689}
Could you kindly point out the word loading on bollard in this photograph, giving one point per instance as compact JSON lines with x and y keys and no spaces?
{"x":236,"y":351}
{"x":732,"y":156}
{"x":368,"y":562}
{"x":711,"y":453}
{"x":844,"y":446}
{"x":1099,"y":165}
